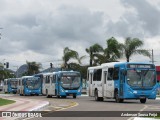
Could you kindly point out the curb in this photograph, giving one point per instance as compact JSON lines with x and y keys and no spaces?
{"x":41,"y":107}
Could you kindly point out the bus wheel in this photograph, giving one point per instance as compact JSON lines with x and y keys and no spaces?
{"x":96,"y":95}
{"x":118,"y":100}
{"x":143,"y":100}
{"x":74,"y":96}
{"x":63,"y":96}
{"x":48,"y":96}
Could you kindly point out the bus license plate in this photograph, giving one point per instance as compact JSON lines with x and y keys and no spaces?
{"x":70,"y":94}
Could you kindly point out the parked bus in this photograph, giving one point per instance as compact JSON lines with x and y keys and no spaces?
{"x":61,"y":83}
{"x":10,"y":85}
{"x":123,"y":81}
{"x":29,"y":85}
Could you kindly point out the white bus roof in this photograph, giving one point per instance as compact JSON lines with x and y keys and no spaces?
{"x":94,"y":67}
{"x":111,"y":64}
{"x":26,"y":76}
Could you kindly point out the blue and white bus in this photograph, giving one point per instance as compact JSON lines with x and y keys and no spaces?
{"x":29,"y":85}
{"x":10,"y":85}
{"x":123,"y":80}
{"x":61,"y":83}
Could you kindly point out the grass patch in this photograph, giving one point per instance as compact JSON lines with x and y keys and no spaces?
{"x":6,"y":102}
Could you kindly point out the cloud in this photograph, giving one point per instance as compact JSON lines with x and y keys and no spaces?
{"x":38,"y":30}
{"x":49,"y":30}
{"x":141,"y":19}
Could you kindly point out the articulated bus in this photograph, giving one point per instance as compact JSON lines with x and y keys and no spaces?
{"x":10,"y":85}
{"x":121,"y":81}
{"x":61,"y":84}
{"x":29,"y":85}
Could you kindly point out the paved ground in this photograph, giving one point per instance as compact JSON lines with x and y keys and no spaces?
{"x":85,"y":103}
{"x":34,"y":103}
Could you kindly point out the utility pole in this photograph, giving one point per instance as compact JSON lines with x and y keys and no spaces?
{"x":152,"y":57}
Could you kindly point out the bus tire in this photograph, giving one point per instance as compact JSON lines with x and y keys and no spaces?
{"x":143,"y":100}
{"x":48,"y":96}
{"x":118,"y":100}
{"x":74,"y":96}
{"x":96,"y":96}
{"x":63,"y":96}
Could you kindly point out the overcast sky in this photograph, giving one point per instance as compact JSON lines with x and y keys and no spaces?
{"x":39,"y":30}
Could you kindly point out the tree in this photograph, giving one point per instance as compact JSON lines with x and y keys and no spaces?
{"x":69,"y":54}
{"x":33,"y":68}
{"x":92,"y":50}
{"x":109,"y":54}
{"x":132,"y":46}
{"x":4,"y":74}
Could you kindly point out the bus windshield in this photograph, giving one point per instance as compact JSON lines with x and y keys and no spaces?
{"x":13,"y":83}
{"x":141,"y":78}
{"x":33,"y":83}
{"x":69,"y":81}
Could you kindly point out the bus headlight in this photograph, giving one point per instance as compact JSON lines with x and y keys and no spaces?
{"x":79,"y":90}
{"x":135,"y":92}
{"x":62,"y":90}
{"x":66,"y":91}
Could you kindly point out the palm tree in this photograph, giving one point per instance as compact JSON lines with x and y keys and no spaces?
{"x":33,"y":68}
{"x":131,"y":47}
{"x":92,"y":50}
{"x":111,"y":53}
{"x":81,"y":58}
{"x":69,"y":54}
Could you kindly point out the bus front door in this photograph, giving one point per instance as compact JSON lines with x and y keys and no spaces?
{"x":121,"y":89}
{"x":91,"y":92}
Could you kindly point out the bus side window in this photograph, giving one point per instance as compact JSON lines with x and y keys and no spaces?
{"x":91,"y":77}
{"x":54,"y":79}
{"x":105,"y":77}
{"x":22,"y":81}
{"x":47,"y":79}
{"x":97,"y":75}
{"x":116,"y":73}
{"x":110,"y":74}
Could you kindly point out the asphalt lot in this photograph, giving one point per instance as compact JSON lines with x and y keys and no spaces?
{"x":87,"y":107}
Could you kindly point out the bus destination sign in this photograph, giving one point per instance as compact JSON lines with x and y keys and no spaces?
{"x":140,"y":66}
{"x":70,"y":74}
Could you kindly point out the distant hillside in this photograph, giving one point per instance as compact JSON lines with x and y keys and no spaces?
{"x":24,"y":68}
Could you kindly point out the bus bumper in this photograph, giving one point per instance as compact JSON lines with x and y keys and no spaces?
{"x":138,"y":94}
{"x":70,"y":92}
